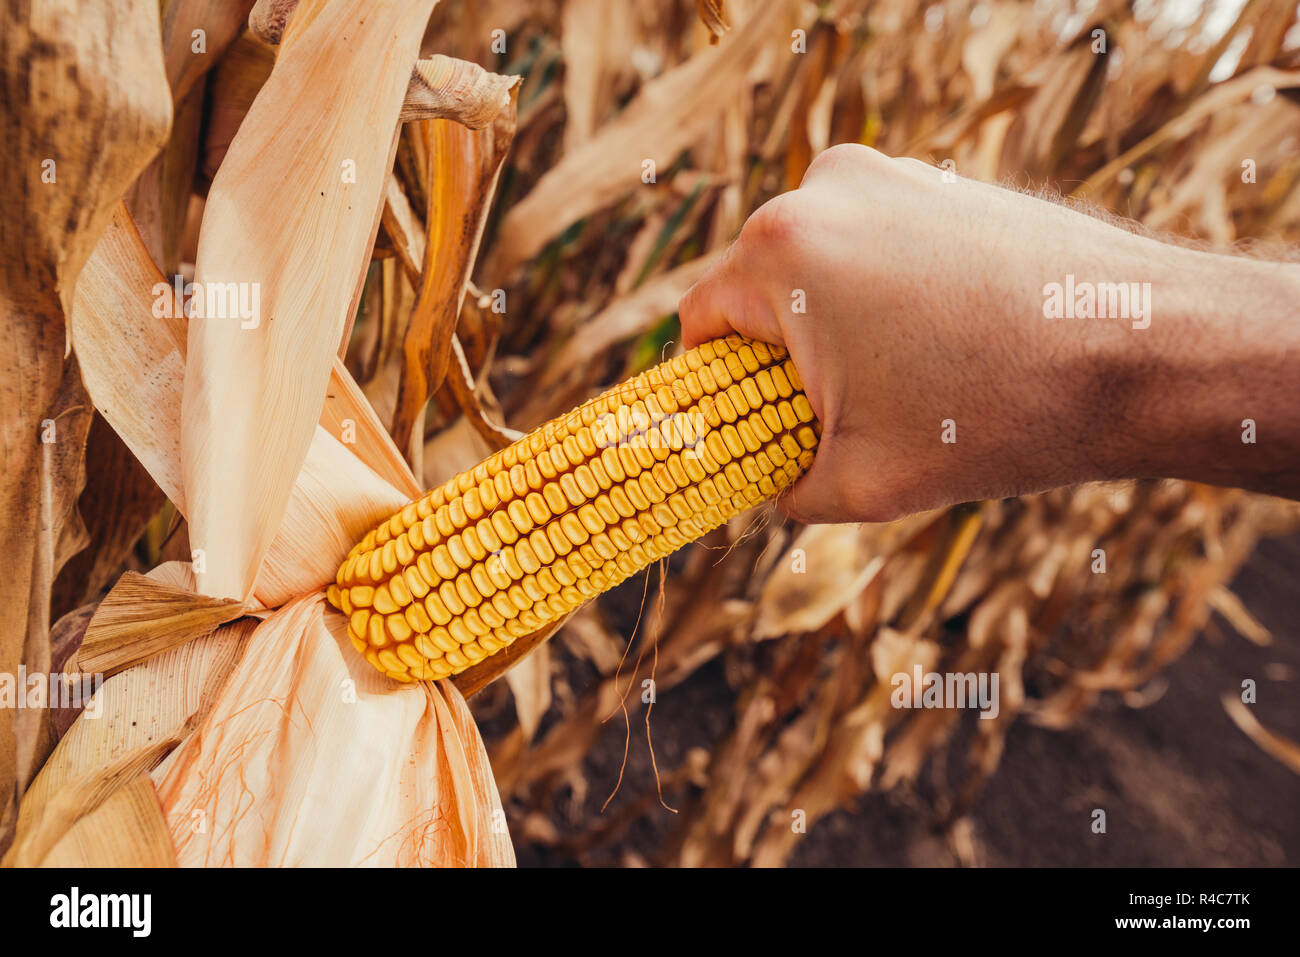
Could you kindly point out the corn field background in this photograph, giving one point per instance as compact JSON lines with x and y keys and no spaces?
{"x":522,"y":262}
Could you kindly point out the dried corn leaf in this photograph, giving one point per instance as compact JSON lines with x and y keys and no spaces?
{"x":127,"y":830}
{"x":86,"y":106}
{"x":461,"y":179}
{"x":443,"y":87}
{"x":136,"y":384}
{"x":195,"y":34}
{"x":126,"y":729}
{"x":116,"y":505}
{"x":665,"y":117}
{"x":305,"y":729}
{"x":306,"y":164}
{"x":130,"y":340}
{"x":1281,"y":749}
{"x":134,"y":818}
{"x":141,"y":617}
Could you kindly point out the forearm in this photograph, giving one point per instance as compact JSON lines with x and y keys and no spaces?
{"x":1212,"y":386}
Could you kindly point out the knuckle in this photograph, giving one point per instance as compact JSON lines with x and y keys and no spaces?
{"x":914,"y":164}
{"x":779,"y":221}
{"x":842,"y":157}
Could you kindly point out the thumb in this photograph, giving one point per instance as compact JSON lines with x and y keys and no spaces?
{"x":723,"y":302}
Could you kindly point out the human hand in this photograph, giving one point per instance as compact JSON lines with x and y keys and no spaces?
{"x":925,"y":349}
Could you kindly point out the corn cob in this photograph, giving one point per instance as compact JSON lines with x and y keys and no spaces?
{"x":575,"y":507}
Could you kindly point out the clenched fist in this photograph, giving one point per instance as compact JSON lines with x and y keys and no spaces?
{"x":960,"y":341}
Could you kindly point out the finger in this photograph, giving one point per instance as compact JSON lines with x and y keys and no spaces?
{"x":722,"y":302}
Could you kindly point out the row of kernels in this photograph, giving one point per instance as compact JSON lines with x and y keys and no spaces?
{"x":424,"y":524}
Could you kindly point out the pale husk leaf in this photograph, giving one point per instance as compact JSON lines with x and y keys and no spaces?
{"x":307,"y":731}
{"x":253,"y":396}
{"x":141,"y":617}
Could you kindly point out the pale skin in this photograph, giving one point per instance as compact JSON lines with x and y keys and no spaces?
{"x":925,"y":317}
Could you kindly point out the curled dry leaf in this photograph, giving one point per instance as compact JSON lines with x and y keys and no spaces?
{"x":459,"y":180}
{"x":268,"y":19}
{"x":713,"y":17}
{"x":141,"y":617}
{"x":1282,"y":749}
{"x":443,"y":87}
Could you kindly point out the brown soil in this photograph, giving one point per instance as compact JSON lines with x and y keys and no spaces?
{"x":1180,"y":784}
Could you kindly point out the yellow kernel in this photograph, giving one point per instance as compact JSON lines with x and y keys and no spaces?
{"x":466,"y":591}
{"x":504,"y":527}
{"x":458,"y":552}
{"x":542,"y":547}
{"x":384,"y":603}
{"x":442,"y":561}
{"x":442,"y":519}
{"x":375,"y":633}
{"x":520,"y":517}
{"x":398,"y":591}
{"x":437,"y":610}
{"x":554,"y":498}
{"x":471,"y":504}
{"x":482,"y":584}
{"x":425,"y":646}
{"x":417,"y":618}
{"x":526,"y":557}
{"x":443,"y":640}
{"x":495,"y":572}
{"x":487,"y":536}
{"x":358,"y":621}
{"x":397,"y":627}
{"x":410,"y":657}
{"x":573,"y":529}
{"x":590,"y":519}
{"x":424,"y":565}
{"x":461,"y":634}
{"x":469,"y":538}
{"x":451,"y":598}
{"x":537,"y":508}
